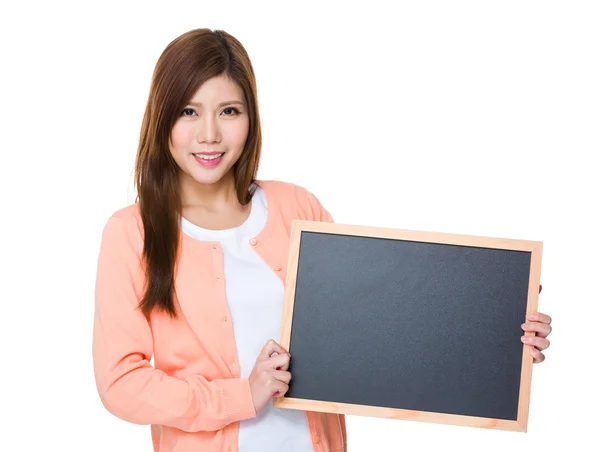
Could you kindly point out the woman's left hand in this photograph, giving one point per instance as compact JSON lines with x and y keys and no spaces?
{"x":540,"y":324}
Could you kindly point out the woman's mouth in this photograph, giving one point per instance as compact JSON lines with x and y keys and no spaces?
{"x":208,"y":159}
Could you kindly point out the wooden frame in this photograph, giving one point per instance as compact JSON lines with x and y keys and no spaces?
{"x":520,"y":425}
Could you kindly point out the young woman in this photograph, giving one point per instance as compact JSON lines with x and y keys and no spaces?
{"x":193,"y":273}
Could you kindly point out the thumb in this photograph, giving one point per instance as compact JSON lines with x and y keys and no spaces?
{"x":271,"y":347}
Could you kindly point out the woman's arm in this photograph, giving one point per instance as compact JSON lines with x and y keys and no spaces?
{"x":128,"y":385}
{"x":320,"y":213}
{"x":314,"y":208}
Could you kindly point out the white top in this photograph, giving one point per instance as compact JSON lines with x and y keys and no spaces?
{"x":255,"y":299}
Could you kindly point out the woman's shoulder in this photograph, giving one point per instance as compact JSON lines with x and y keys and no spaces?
{"x":295,"y":198}
{"x":129,"y":212}
{"x":284,"y":189}
{"x":129,"y":215}
{"x":124,"y":223}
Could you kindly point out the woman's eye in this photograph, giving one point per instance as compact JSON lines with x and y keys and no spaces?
{"x":233,"y":109}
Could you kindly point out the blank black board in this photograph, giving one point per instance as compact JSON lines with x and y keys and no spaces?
{"x":424,"y":326}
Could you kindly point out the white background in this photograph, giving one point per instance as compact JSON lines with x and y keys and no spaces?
{"x":467,"y":117}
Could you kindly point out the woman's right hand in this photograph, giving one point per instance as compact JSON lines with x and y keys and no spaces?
{"x":270,"y":376}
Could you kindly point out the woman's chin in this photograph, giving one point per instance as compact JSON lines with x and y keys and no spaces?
{"x":202,"y":176}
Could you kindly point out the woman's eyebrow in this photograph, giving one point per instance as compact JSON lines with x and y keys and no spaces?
{"x":199,"y":104}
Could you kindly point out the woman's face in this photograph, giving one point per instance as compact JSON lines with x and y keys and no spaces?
{"x":215,"y":120}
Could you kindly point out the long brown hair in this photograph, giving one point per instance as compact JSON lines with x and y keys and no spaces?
{"x":186,"y":63}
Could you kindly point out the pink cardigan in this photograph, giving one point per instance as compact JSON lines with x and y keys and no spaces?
{"x":193,"y":397}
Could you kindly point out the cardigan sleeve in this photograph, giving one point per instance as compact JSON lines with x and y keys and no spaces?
{"x":344,"y":434}
{"x":128,"y":385}
{"x":319,"y":213}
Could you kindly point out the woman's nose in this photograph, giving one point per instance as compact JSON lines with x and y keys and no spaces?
{"x":208,"y":129}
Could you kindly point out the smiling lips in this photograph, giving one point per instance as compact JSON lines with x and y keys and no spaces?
{"x":208,"y":159}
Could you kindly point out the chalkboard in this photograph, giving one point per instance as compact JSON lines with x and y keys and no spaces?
{"x":409,"y":324}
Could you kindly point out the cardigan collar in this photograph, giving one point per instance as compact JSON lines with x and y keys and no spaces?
{"x":185,"y":240}
{"x":187,"y":283}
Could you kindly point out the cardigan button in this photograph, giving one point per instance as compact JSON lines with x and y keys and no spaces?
{"x":253,"y":242}
{"x":278,"y":268}
{"x":317,"y":439}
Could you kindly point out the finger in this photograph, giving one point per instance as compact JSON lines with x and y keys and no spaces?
{"x":541,"y":329}
{"x":271,"y":347}
{"x":281,"y":362}
{"x":538,"y":356}
{"x":541,"y":343}
{"x":279,"y":388}
{"x":284,"y":366}
{"x":539,"y":317}
{"x":282,"y":376}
